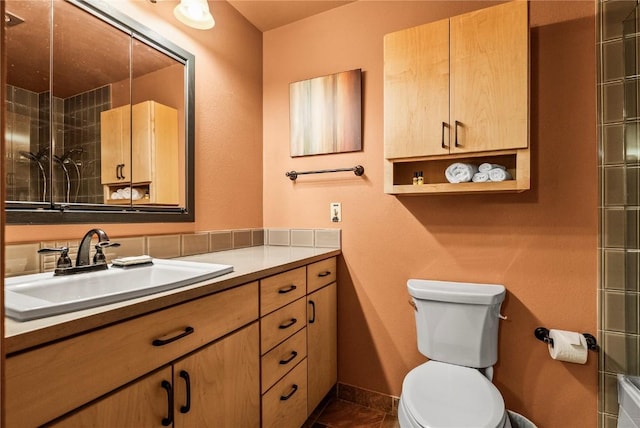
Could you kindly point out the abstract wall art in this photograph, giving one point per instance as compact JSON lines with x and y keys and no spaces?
{"x":326,"y":114}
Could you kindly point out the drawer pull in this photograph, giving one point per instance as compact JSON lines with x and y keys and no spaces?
{"x":325,"y":273}
{"x":161,"y":342}
{"x":456,"y":133}
{"x":444,"y":125}
{"x":288,"y":360}
{"x":291,"y":322}
{"x":169,"y":419}
{"x":294,"y":388}
{"x":187,"y":380}
{"x":287,"y":290}
{"x":313,"y":311}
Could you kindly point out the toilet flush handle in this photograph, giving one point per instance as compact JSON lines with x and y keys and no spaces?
{"x":413,"y":305}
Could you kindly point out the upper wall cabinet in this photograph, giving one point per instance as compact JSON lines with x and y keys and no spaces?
{"x":458,"y":90}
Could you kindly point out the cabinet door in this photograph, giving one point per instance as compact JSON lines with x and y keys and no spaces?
{"x":141,"y":404}
{"x":489,"y":78}
{"x":115,"y":145}
{"x":416,"y":91}
{"x":142,"y":130}
{"x":322,"y":344}
{"x":220,"y":384}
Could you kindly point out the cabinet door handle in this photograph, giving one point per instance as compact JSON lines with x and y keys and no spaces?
{"x":288,"y":360}
{"x":187,"y":380}
{"x":161,"y":342}
{"x":287,"y":325}
{"x":287,"y":290}
{"x":456,"y":133}
{"x":169,"y":419}
{"x":313,"y":311}
{"x":294,"y":388}
{"x":118,"y":171}
{"x":444,"y":125}
{"x":325,"y":273}
{"x":122,"y":171}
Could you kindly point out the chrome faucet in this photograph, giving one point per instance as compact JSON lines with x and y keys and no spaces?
{"x":83,"y":264}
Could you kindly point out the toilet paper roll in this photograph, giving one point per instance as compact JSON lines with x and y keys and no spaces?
{"x":568,"y":346}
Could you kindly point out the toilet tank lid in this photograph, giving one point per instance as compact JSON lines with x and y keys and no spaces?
{"x":456,"y":292}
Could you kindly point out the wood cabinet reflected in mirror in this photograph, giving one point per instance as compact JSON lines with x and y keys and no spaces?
{"x":99,"y":117}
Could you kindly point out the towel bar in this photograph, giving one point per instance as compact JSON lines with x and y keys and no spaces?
{"x":357,"y":170}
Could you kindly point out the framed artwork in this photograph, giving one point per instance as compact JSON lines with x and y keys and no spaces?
{"x":326,"y":114}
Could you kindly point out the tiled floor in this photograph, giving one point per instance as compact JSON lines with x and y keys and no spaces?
{"x":345,"y":414}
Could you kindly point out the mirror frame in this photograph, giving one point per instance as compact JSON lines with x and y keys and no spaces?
{"x":60,"y":213}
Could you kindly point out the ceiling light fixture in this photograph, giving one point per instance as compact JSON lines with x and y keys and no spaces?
{"x":195,"y":14}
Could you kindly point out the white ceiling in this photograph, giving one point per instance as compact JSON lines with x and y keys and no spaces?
{"x":266,"y":15}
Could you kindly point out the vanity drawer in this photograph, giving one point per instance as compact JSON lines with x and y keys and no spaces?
{"x":320,"y":274}
{"x":277,"y":362}
{"x":285,"y":405}
{"x":279,"y":290}
{"x":279,"y":325}
{"x":47,"y":382}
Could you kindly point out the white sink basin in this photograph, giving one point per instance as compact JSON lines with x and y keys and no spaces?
{"x":629,"y":401}
{"x":40,"y":295}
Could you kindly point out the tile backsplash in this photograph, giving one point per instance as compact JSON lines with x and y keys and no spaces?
{"x":22,"y":259}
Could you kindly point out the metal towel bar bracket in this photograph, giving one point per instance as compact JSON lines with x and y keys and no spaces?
{"x":357,"y":170}
{"x":542,"y":334}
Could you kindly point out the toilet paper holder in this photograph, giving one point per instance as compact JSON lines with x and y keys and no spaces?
{"x":542,"y":334}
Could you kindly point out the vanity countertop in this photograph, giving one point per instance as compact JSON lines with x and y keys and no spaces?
{"x":249,"y":264}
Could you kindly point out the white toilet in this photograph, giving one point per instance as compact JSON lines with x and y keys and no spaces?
{"x":457,"y":328}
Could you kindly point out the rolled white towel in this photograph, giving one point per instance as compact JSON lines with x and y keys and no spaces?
{"x":486,"y":167}
{"x":480,"y":177}
{"x":116,"y":195}
{"x":460,"y":172}
{"x":499,"y":174}
{"x":136,"y":194}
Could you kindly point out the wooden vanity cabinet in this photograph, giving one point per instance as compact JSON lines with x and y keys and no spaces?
{"x":260,"y":354}
{"x":299,"y":359}
{"x":93,"y":364}
{"x":217,"y":383}
{"x":456,"y":90}
{"x":322,"y":330}
{"x":139,"y":148}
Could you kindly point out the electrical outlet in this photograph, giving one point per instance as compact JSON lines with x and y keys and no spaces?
{"x":336,"y":212}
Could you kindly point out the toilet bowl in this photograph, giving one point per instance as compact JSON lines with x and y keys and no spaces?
{"x":441,"y":395}
{"x":457,"y":329}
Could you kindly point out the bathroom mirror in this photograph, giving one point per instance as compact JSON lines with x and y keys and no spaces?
{"x":99,"y":117}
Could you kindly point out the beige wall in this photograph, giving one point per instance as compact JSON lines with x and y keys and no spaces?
{"x":540,"y":244}
{"x":228,"y":124}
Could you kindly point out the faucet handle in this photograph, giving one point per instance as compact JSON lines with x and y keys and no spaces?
{"x":99,"y":256}
{"x":105,"y":244}
{"x":63,"y":261}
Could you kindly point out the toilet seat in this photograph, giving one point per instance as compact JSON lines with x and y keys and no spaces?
{"x":440,"y":395}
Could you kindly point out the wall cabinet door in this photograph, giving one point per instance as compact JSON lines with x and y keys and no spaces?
{"x":220,"y":385}
{"x":416,"y":91}
{"x":115,"y":145}
{"x":322,"y":344}
{"x":458,"y":85}
{"x":490,"y":79}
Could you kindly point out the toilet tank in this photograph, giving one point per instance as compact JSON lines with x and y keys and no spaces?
{"x":457,"y":322}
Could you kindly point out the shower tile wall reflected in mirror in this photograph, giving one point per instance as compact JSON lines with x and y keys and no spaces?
{"x":76,"y":171}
